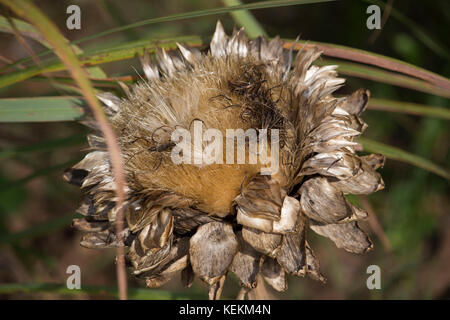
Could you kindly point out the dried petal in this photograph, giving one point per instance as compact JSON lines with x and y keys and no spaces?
{"x":187,"y":220}
{"x":156,"y":234}
{"x":150,"y":69}
{"x":146,"y":261}
{"x":190,"y":54}
{"x":322,"y":202}
{"x":245,"y":264}
{"x":75,"y":176}
{"x":339,"y":164}
{"x":97,"y":142}
{"x":102,"y":239}
{"x":212,"y":250}
{"x":110,"y":101}
{"x":266,"y":243}
{"x":262,"y":197}
{"x":253,"y":222}
{"x":288,"y":217}
{"x":347,"y":236}
{"x":357,"y":102}
{"x":365,"y":182}
{"x":165,"y":62}
{"x":175,"y":261}
{"x":292,"y":255}
{"x":139,"y":216}
{"x":92,"y":160}
{"x":238,"y":44}
{"x":89,"y":226}
{"x":375,"y":160}
{"x":219,"y":41}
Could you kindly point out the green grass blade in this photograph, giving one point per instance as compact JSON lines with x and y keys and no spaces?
{"x":116,"y":53}
{"x":98,"y":83}
{"x":41,"y":109}
{"x":409,"y":107}
{"x":383,"y":76}
{"x":245,"y":18}
{"x":134,"y":293}
{"x":403,"y":156}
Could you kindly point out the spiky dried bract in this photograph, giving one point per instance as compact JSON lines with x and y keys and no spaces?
{"x":208,"y":218}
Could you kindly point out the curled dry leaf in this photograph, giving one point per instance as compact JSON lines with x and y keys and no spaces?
{"x":346,"y":235}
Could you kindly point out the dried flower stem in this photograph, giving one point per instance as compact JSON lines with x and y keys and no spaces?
{"x":29,"y":11}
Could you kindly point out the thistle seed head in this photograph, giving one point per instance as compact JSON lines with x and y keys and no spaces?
{"x":209,"y":219}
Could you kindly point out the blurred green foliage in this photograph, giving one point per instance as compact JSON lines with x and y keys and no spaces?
{"x":36,"y":206}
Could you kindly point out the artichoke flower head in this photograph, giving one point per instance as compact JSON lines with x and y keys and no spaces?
{"x":208,"y":218}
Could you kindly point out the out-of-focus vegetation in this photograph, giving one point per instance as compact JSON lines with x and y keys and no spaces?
{"x":412,"y":243}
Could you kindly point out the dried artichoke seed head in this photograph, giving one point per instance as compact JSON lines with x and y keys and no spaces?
{"x":209,"y":218}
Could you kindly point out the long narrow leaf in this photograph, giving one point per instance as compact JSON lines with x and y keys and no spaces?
{"x":41,"y":109}
{"x":117,"y":53}
{"x":403,"y":156}
{"x":98,"y":83}
{"x":332,"y":50}
{"x":408,"y":107}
